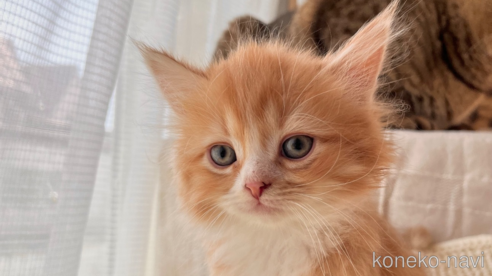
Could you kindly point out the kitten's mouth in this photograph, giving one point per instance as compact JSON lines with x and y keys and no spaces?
{"x":261,"y":208}
{"x":266,"y":212}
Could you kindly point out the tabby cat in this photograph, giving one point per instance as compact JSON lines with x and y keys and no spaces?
{"x":442,"y":69}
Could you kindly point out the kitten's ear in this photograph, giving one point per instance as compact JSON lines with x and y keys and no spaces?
{"x":360,"y":61}
{"x":176,"y":79}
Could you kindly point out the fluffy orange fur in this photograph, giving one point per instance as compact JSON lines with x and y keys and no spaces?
{"x":316,"y":218}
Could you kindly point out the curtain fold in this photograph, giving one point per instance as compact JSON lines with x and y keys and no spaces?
{"x":138,"y":132}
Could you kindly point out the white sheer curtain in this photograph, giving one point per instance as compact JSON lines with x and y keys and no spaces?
{"x":59,"y":62}
{"x":81,"y":150}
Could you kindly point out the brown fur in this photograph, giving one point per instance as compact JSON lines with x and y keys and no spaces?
{"x":444,"y":60}
{"x":481,"y":118}
{"x":250,"y":27}
{"x":252,"y":101}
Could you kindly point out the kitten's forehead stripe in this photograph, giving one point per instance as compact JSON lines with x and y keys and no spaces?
{"x":261,"y":128}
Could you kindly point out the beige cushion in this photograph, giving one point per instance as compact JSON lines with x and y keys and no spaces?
{"x":461,"y":257}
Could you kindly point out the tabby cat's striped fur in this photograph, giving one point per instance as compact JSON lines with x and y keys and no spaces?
{"x":444,"y":71}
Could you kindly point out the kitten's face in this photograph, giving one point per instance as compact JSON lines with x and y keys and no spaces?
{"x":273,"y":135}
{"x":260,"y":148}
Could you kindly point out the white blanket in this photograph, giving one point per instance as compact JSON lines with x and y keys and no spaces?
{"x":442,"y":181}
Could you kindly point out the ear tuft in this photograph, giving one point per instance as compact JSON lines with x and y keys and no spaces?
{"x":360,"y":61}
{"x":175,"y":79}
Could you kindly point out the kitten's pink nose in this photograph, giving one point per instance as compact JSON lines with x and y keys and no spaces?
{"x":256,"y":188}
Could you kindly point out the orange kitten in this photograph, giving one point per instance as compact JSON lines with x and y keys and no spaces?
{"x":277,"y":154}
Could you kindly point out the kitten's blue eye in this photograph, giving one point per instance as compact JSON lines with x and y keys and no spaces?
{"x":222,"y":155}
{"x":297,"y":146}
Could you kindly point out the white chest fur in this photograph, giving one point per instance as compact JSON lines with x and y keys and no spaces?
{"x":251,"y":251}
